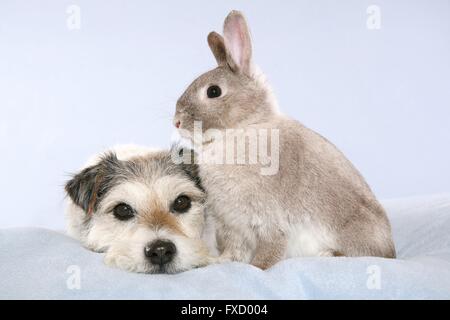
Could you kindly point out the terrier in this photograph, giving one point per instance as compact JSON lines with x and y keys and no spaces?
{"x":141,"y":209}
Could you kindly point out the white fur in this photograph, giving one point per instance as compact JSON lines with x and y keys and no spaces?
{"x":124,"y":241}
{"x":308,"y":239}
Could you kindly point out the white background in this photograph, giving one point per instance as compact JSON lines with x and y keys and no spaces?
{"x":382,"y":96}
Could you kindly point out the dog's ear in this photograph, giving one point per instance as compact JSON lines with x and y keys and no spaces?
{"x":187,"y":159}
{"x":88,"y":186}
{"x":190,"y":166}
{"x":188,"y":155}
{"x":181,"y":154}
{"x":192,"y":172}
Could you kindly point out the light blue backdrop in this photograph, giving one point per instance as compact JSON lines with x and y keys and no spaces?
{"x":382,"y":96}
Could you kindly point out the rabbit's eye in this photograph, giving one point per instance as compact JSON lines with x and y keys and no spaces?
{"x":214,"y":92}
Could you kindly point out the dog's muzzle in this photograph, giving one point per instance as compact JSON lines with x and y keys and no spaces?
{"x":160,"y":252}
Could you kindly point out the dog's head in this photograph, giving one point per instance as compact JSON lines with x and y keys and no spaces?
{"x":146,"y":212}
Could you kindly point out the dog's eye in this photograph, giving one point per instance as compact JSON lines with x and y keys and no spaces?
{"x":214,"y":92}
{"x":181,"y":204}
{"x":123,"y":212}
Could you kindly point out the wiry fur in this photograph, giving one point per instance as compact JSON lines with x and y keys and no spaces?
{"x":317,"y":204}
{"x":149,"y":182}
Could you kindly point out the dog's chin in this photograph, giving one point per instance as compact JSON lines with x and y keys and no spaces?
{"x":129,"y":264}
{"x":162,"y":270}
{"x":168,"y":269}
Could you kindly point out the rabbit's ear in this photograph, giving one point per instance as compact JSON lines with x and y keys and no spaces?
{"x":217,"y":45}
{"x":238,"y":43}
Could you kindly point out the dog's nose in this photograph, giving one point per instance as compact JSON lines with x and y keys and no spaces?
{"x":160,"y":252}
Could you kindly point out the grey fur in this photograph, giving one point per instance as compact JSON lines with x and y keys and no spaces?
{"x":317,"y":191}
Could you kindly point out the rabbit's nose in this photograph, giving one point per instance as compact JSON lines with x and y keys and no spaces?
{"x":177,"y":121}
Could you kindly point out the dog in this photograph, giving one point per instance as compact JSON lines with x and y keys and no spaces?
{"x":145,"y":212}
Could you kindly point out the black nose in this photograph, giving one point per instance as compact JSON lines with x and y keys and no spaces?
{"x":160,"y":252}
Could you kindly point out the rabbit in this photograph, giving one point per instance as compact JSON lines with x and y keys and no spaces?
{"x":316,"y":204}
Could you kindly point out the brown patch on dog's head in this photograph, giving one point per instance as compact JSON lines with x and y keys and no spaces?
{"x":159,"y":218}
{"x":93,"y":200}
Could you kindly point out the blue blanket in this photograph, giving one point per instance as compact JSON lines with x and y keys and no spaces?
{"x":43,"y":264}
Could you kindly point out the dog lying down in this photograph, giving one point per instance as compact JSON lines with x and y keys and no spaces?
{"x":140,"y":208}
